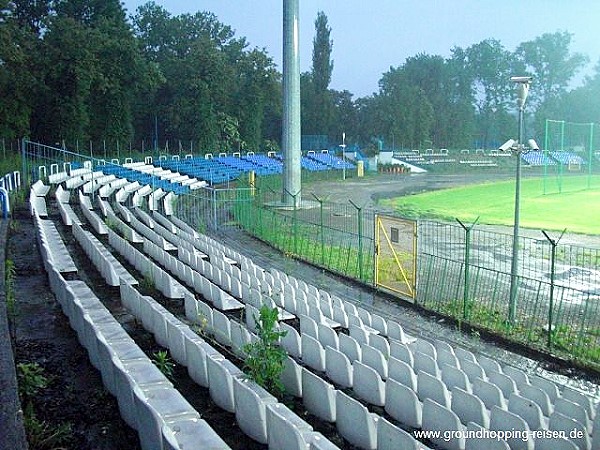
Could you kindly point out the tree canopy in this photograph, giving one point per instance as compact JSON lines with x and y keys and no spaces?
{"x":81,"y":70}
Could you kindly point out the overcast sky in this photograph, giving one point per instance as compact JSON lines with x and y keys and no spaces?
{"x":369,"y":36}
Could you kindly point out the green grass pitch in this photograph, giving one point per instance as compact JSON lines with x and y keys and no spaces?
{"x":577,"y":208}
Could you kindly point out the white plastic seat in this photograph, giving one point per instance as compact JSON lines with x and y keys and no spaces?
{"x":425,"y":347}
{"x":436,"y":417}
{"x":291,"y":377}
{"x":489,"y":365}
{"x":368,"y":384}
{"x":396,"y":332}
{"x":390,"y":437}
{"x":473,"y":370}
{"x":454,"y":377}
{"x":308,"y":326}
{"x":350,"y":348}
{"x":501,"y":420}
{"x":286,"y":430}
{"x":381,"y":344}
{"x":402,"y":372}
{"x":402,"y":352}
{"x":469,"y":408}
{"x":537,"y":395}
{"x":428,"y":386}
{"x":528,"y":410}
{"x":360,"y":334}
{"x":548,"y":386}
{"x":446,"y":357}
{"x":572,"y":428}
{"x":426,"y":363}
{"x":581,"y":399}
{"x":402,"y":403}
{"x":291,"y":342}
{"x":506,"y":384}
{"x":464,"y":354}
{"x":489,"y":393}
{"x":572,"y":410}
{"x":318,"y":396}
{"x":338,"y":367}
{"x":251,"y":402}
{"x":554,"y":443}
{"x":220,"y":377}
{"x":374,"y":359}
{"x":518,"y":375}
{"x":355,"y":423}
{"x":379,"y":324}
{"x":328,"y":336}
{"x":189,"y":433}
{"x":313,"y":353}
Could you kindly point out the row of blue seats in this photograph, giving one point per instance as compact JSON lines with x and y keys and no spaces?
{"x":331,"y":160}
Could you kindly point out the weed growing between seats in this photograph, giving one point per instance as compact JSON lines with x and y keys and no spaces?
{"x":40,"y":434}
{"x":265,"y":359}
{"x":164,"y":363}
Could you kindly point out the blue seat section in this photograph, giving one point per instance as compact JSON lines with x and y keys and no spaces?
{"x":211,"y":170}
{"x":331,"y":161}
{"x":264,"y":164}
{"x":567,"y":158}
{"x":537,"y":159}
{"x":308,"y":164}
{"x":251,"y":163}
{"x":143,"y":178}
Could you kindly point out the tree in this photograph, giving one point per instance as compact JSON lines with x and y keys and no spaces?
{"x":488,"y":66}
{"x":549,"y":60}
{"x":318,"y":101}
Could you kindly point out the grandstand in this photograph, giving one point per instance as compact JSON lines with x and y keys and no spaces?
{"x":348,"y":364}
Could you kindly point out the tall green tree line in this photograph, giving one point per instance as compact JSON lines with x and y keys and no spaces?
{"x":81,"y":70}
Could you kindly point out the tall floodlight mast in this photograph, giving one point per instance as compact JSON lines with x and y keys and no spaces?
{"x":292,"y":181}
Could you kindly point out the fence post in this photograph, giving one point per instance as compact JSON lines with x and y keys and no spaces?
{"x":553,"y":243}
{"x":467,"y":265}
{"x":360,"y":256}
{"x":321,"y":232}
{"x":24,"y":162}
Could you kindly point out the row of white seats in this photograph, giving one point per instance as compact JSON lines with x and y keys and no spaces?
{"x":162,"y":280}
{"x":163,"y":418}
{"x":258,"y":413}
{"x":94,"y":184}
{"x":201,"y":284}
{"x":108,"y":266}
{"x":53,"y":249}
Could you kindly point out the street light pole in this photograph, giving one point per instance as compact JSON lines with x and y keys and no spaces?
{"x":343,"y":156}
{"x":523,"y":84}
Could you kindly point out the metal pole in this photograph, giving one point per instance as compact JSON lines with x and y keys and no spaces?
{"x":590,"y":155}
{"x":545,"y":154}
{"x":554,"y":244}
{"x":322,"y":233}
{"x":360,"y":258}
{"x":514,"y":267}
{"x":343,"y":156}
{"x":292,"y":153}
{"x":24,"y":162}
{"x":467,"y":265}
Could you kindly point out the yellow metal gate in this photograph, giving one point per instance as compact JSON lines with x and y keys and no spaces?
{"x":396,"y":255}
